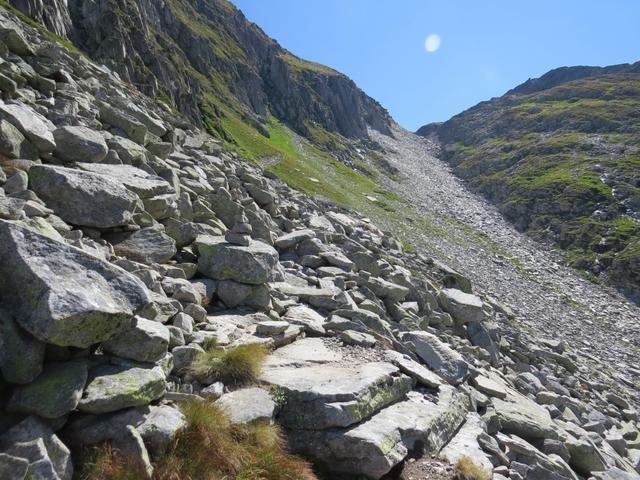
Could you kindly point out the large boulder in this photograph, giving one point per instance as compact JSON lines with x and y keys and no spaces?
{"x":115,"y":387}
{"x":79,"y":144}
{"x":221,"y":260}
{"x":148,"y":245}
{"x":437,"y":355}
{"x":31,"y":124}
{"x":524,"y":417}
{"x":465,"y":444}
{"x":326,"y":396}
{"x":83,"y":198}
{"x":54,"y":393}
{"x":138,"y":181}
{"x":62,"y":295}
{"x":372,"y":448}
{"x":21,"y":355}
{"x":145,"y":341}
{"x":463,"y":307}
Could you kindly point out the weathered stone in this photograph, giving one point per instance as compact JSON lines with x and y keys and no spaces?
{"x":351,"y":337}
{"x":83,"y":198}
{"x":159,"y":428}
{"x":437,"y":355}
{"x":384,"y":289}
{"x":21,"y":355}
{"x":221,"y":260}
{"x":523,"y":417}
{"x":373,"y":447}
{"x":309,"y":319}
{"x":326,"y":396}
{"x":463,"y":307}
{"x":31,"y":124}
{"x":79,"y":144}
{"x":337,"y":259}
{"x":148,"y":245}
{"x":54,"y":393}
{"x":13,"y":144}
{"x":271,"y":327}
{"x":289,"y":240}
{"x":304,"y":352}
{"x":62,"y":295}
{"x":247,"y":405}
{"x":138,"y":181}
{"x":490,"y":386}
{"x":465,"y":444}
{"x":135,"y":130}
{"x":113,"y":387}
{"x":144,"y":341}
{"x":412,"y":368}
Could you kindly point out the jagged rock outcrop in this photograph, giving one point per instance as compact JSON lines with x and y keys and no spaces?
{"x":106,"y":310}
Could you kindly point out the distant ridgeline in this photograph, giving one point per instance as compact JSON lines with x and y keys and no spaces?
{"x":559,"y":155}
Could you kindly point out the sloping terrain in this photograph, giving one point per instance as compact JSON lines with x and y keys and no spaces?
{"x":559,"y":156}
{"x":165,"y":303}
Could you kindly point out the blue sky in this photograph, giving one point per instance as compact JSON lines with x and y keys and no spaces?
{"x":487,"y":47}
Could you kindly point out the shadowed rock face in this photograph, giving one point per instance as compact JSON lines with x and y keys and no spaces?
{"x":133,"y":38}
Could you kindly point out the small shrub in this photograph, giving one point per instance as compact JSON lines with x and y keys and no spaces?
{"x":279,"y":395}
{"x":211,"y":448}
{"x":466,"y":469}
{"x":106,"y":463}
{"x":240,"y":365}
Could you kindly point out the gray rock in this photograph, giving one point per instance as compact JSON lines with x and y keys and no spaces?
{"x":325,"y":396}
{"x":159,"y":428}
{"x":213,"y":391}
{"x":113,"y":387}
{"x":21,"y":355}
{"x":135,"y":130}
{"x":13,"y":144}
{"x":271,"y":327}
{"x":309,"y":319}
{"x":351,"y":337}
{"x":337,"y":259}
{"x":221,"y":260}
{"x":184,"y":322}
{"x":412,"y":368}
{"x":12,"y":208}
{"x":62,"y":295}
{"x":372,"y":448}
{"x":523,"y":417}
{"x":615,"y":473}
{"x":184,"y":356}
{"x":138,"y":181}
{"x":232,"y":293}
{"x":144,"y":341}
{"x":148,"y":245}
{"x":54,"y":393}
{"x":437,"y":355}
{"x":31,"y":429}
{"x":79,"y":144}
{"x":162,"y":206}
{"x":465,"y":444}
{"x":13,"y":468}
{"x":463,"y":307}
{"x":248,"y":405}
{"x":83,"y":198}
{"x":31,"y":124}
{"x":292,"y":239}
{"x":384,"y":289}
{"x":16,"y":183}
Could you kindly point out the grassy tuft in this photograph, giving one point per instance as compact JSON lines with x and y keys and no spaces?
{"x":240,"y":365}
{"x":211,"y":448}
{"x":106,"y":463}
{"x":466,"y":469}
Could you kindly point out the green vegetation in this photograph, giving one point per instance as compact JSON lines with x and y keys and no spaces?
{"x":238,"y":366}
{"x":466,"y":469}
{"x":210,"y":447}
{"x":561,"y":164}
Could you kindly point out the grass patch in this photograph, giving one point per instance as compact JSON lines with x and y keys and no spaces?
{"x":238,"y":366}
{"x":210,"y":447}
{"x":466,"y":469}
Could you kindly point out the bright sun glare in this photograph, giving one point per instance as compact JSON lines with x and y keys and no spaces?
{"x":432,"y":43}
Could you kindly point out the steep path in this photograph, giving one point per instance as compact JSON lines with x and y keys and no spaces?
{"x":549,"y":299}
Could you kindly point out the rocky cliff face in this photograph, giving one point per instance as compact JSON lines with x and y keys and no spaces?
{"x":559,"y":156}
{"x":188,"y":51}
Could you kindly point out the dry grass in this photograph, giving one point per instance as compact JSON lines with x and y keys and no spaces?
{"x":466,"y":469}
{"x":106,"y":463}
{"x":240,"y":365}
{"x":210,"y":448}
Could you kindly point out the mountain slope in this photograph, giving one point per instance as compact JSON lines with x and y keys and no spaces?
{"x":559,"y":156}
{"x":207,"y":60}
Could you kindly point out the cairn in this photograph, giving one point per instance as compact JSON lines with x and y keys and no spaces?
{"x":240,"y":234}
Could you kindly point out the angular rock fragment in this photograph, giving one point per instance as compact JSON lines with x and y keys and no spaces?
{"x":79,"y":144}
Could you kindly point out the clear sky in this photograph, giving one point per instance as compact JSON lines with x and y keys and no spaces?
{"x":486,"y":47}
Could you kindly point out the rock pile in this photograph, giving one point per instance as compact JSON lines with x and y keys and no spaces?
{"x":128,"y":243}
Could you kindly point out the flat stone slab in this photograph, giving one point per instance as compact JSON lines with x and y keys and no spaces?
{"x":437,"y":355}
{"x":524,"y":417}
{"x":490,"y":386}
{"x":304,"y":352}
{"x":463,"y":307}
{"x":465,"y":444}
{"x":412,"y":368}
{"x":248,"y":405}
{"x":138,"y":181}
{"x":325,"y":396}
{"x":373,"y":447}
{"x":112,"y":388}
